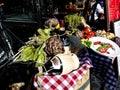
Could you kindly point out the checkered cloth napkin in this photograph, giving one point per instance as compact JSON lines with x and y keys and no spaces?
{"x":103,"y":69}
{"x":63,"y":82}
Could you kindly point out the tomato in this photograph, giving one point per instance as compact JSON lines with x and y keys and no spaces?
{"x":92,"y":33}
{"x":87,"y":36}
{"x":110,"y":45}
{"x":103,"y":50}
{"x":108,"y":33}
{"x":87,"y":31}
{"x":97,"y":42}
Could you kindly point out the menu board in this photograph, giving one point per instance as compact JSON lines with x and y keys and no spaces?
{"x":113,"y":10}
{"x":116,"y":27}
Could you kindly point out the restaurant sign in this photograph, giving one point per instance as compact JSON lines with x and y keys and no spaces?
{"x":113,"y":10}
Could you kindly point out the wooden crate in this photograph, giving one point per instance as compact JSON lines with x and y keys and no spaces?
{"x":84,"y":83}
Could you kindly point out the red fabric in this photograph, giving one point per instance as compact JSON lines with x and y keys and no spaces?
{"x":113,"y":10}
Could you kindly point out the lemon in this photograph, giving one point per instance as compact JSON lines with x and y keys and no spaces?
{"x":57,"y":26}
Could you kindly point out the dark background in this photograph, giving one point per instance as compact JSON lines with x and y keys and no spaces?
{"x":22,"y":18}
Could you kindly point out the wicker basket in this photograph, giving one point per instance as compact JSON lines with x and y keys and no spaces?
{"x":84,"y":83}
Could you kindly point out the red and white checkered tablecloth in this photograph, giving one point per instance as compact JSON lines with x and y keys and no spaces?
{"x":61,"y":82}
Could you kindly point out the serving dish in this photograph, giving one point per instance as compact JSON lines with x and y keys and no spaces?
{"x":111,"y":49}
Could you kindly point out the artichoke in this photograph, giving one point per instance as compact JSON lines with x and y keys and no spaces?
{"x":54,"y":46}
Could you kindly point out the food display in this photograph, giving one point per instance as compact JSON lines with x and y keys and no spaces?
{"x":104,"y":46}
{"x":43,"y":48}
{"x":52,"y":22}
{"x":85,"y":33}
{"x":73,"y":21}
{"x":86,"y":42}
{"x":33,"y":50}
{"x":60,"y":48}
{"x":88,"y":33}
{"x":103,"y":33}
{"x":49,"y":43}
{"x":54,"y":46}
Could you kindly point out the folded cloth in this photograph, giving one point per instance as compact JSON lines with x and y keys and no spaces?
{"x":61,"y":82}
{"x":103,"y":69}
{"x":66,"y":81}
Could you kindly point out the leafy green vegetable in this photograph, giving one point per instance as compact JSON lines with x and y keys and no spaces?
{"x":103,"y":45}
{"x":86,"y":42}
{"x":73,"y":20}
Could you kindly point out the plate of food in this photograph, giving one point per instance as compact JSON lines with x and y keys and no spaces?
{"x":104,"y":46}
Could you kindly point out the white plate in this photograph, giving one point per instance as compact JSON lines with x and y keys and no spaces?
{"x":115,"y":46}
